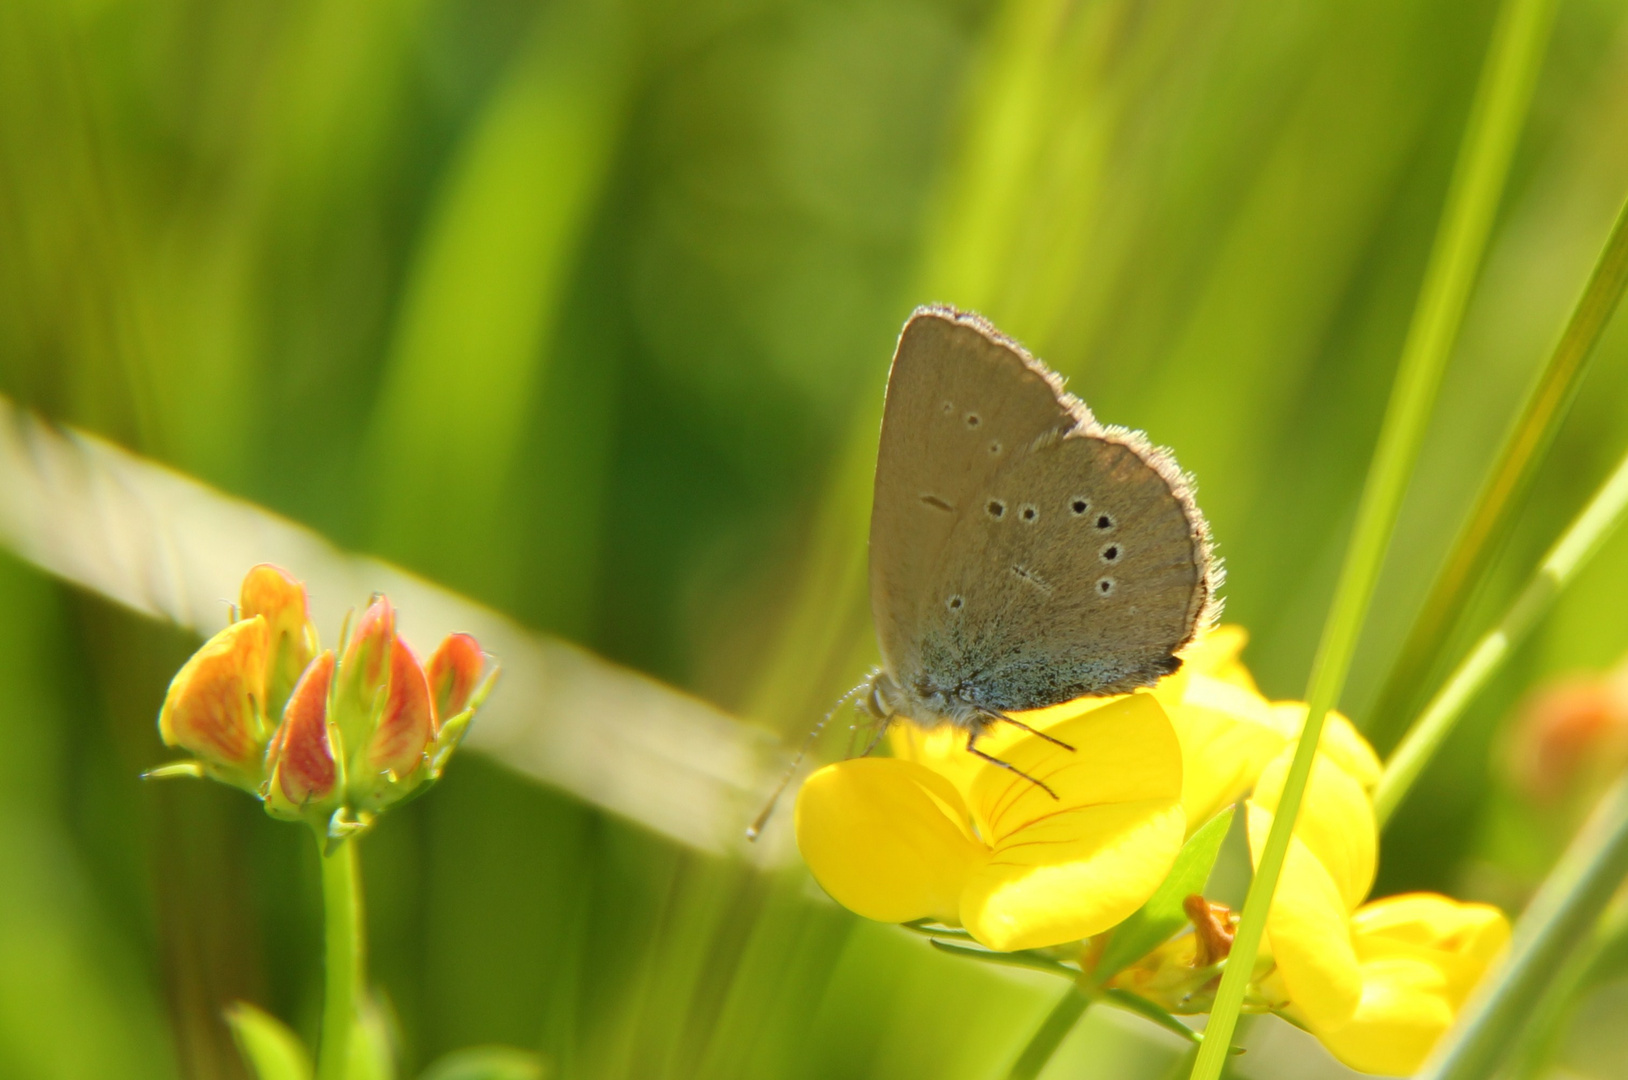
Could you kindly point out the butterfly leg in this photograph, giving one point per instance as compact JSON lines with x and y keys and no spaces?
{"x":881,"y":729}
{"x":972,"y":748}
{"x":996,"y":714}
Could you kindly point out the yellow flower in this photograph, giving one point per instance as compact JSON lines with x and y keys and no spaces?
{"x":1378,"y":984}
{"x":982,"y":847}
{"x":1421,"y":956}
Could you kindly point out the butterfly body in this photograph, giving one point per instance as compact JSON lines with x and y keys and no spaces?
{"x":1022,"y":554}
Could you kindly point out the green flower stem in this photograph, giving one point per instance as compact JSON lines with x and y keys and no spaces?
{"x":1565,"y":909}
{"x":1505,"y":488}
{"x":342,"y":960}
{"x":1569,"y":554}
{"x":1496,"y":117}
{"x":1053,"y":1030}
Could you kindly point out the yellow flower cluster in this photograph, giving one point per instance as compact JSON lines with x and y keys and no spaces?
{"x":937,"y":833}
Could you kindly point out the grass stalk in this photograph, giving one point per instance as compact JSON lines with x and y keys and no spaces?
{"x":1506,"y":485}
{"x":1566,"y":908}
{"x":1559,"y":567}
{"x":1530,"y":1057}
{"x":1496,"y":118}
{"x":342,"y":958}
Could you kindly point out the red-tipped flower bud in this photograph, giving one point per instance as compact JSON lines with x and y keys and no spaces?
{"x":270,"y":591}
{"x":405,"y":727}
{"x":300,"y":756}
{"x":215,"y":707}
{"x":454,"y":669}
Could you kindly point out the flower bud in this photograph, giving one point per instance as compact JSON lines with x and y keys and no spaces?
{"x":364,"y":673}
{"x":215,"y":707}
{"x":454,"y":669}
{"x":270,"y":591}
{"x":301,"y":759}
{"x":405,"y":727}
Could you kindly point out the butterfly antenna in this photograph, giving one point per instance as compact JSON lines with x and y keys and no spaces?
{"x":754,"y":830}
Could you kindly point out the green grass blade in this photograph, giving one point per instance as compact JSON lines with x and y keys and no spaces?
{"x":1569,"y":554}
{"x":485,"y":294}
{"x":1505,"y":488}
{"x":1496,"y":118}
{"x":1562,"y":912}
{"x":1591,"y":965}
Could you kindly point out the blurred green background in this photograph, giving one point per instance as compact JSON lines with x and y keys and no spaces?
{"x":584,"y":308}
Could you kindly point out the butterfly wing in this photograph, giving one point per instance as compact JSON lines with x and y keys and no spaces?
{"x":988,"y":561}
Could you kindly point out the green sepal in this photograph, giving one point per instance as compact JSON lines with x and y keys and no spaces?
{"x":487,"y":1063}
{"x":342,"y":826}
{"x":168,"y":771}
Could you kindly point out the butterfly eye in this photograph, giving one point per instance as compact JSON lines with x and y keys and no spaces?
{"x":1105,"y":586}
{"x":954,"y":603}
{"x":1079,"y":505}
{"x":972,"y":419}
{"x":1110,"y":553}
{"x":1030,"y":512}
{"x":1105,"y":521}
{"x":995,"y":449}
{"x":996,"y":508}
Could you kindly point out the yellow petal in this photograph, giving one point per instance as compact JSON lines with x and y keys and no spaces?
{"x":1309,"y":928}
{"x":1215,"y":653}
{"x":887,"y":839}
{"x":1066,"y":868}
{"x":1341,"y":741}
{"x":1074,"y":874}
{"x":1227,"y":736}
{"x":944,"y":749}
{"x":1336,"y":823}
{"x":1461,"y":939}
{"x":1421,"y":956}
{"x":1402,"y":1014}
{"x":215,"y":705}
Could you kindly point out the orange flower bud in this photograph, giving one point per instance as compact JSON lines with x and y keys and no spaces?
{"x":270,"y":591}
{"x":1572,"y":737}
{"x":215,"y":707}
{"x":406,"y":727}
{"x":454,"y":669}
{"x":300,"y":755}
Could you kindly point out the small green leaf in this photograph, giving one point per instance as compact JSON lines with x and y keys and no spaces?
{"x":1141,"y":1006}
{"x":1025,"y":958}
{"x":1154,"y":923}
{"x":487,"y":1063}
{"x":272,"y":1051}
{"x":371,"y":1056}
